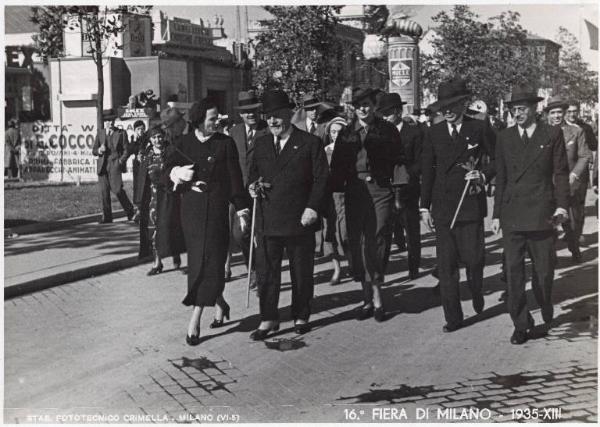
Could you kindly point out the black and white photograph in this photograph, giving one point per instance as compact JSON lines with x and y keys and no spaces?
{"x":291,"y":212}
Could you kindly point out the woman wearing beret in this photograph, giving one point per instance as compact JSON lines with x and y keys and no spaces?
{"x":158,"y":205}
{"x":204,"y":167}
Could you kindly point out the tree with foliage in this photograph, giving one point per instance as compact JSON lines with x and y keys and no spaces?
{"x":573,"y":78}
{"x":98,"y":24}
{"x":491,"y":56}
{"x":298,"y":50}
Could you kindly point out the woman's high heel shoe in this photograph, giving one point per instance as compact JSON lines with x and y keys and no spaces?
{"x":217,"y":323}
{"x":155,"y":270}
{"x":192,"y":340}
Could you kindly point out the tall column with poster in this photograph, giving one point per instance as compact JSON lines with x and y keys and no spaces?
{"x":404,"y":68}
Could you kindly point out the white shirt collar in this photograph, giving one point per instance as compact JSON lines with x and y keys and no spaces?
{"x":200,"y":136}
{"x":458,"y":126}
{"x":285,"y":138}
{"x":529,"y":130}
{"x":399,"y":125}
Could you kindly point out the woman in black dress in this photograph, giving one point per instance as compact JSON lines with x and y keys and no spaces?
{"x":205,"y":169}
{"x":159,"y":207}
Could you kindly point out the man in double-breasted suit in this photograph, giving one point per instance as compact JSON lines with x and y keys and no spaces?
{"x":452,"y":171}
{"x":244,"y":134}
{"x":406,"y":181}
{"x":111,"y":148}
{"x":579,"y":157}
{"x":293,"y":165}
{"x":532,"y":189}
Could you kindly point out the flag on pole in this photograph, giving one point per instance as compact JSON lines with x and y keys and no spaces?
{"x":593,"y":33}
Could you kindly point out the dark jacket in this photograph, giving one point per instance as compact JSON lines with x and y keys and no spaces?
{"x":532,"y":180}
{"x":238,"y":133}
{"x":443,"y":177}
{"x":590,"y":136}
{"x":411,"y":137}
{"x":384,"y":152}
{"x":298,"y":177}
{"x":112,"y":161}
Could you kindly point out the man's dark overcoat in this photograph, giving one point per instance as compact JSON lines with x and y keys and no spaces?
{"x":112,"y":162}
{"x":239,"y":135}
{"x":204,"y":215}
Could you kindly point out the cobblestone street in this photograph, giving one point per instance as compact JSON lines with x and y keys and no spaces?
{"x":114,"y":346}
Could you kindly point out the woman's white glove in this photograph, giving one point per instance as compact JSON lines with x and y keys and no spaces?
{"x":181,"y":174}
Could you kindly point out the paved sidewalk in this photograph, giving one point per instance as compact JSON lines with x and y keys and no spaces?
{"x":112,"y":348}
{"x":37,"y":261}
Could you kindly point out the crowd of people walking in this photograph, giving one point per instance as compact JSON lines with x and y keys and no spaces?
{"x":321,"y":180}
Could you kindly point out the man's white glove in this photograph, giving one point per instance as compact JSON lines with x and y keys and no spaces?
{"x":427,"y":220}
{"x":573,"y":178}
{"x":309,"y":216}
{"x":244,"y":220}
{"x":496,"y":225}
{"x":101,"y":149}
{"x":181,"y":174}
{"x":560,"y":216}
{"x":475,"y":176}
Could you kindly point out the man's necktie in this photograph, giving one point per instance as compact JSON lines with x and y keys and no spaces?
{"x":525,"y":137}
{"x":277,"y":145}
{"x":454,"y":133}
{"x":250,"y":136}
{"x":313,"y":128}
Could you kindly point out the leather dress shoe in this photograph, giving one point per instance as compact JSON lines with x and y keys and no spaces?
{"x":576,"y":258}
{"x":261,"y":334}
{"x":451,"y":328}
{"x":518,"y":337}
{"x":365,"y":312}
{"x":302,"y":328}
{"x":548,"y":313}
{"x":155,"y":270}
{"x":478,"y":302}
{"x":379,"y":314}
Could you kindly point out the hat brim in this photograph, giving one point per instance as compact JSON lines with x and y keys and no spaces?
{"x":441,"y":103}
{"x":312,"y":105}
{"x":552,"y":106}
{"x":248,"y":107}
{"x":370,"y":93}
{"x":532,"y":99}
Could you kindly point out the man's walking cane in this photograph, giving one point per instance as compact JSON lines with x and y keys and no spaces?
{"x":470,"y":166}
{"x":251,"y":252}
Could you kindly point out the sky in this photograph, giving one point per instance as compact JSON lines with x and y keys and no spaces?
{"x":542,"y":19}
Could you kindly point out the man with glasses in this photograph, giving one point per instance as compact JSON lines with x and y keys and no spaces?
{"x":532,"y":188}
{"x":579,"y":158}
{"x":452,"y":186}
{"x":289,"y":169}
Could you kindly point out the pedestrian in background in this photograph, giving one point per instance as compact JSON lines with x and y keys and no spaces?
{"x":111,"y":148}
{"x":244,"y":134}
{"x":579,"y":157}
{"x":204,"y":167}
{"x":137,"y":143}
{"x":453,"y":152}
{"x":12,"y":149}
{"x":364,"y":158}
{"x":572,"y":118}
{"x":160,"y":216}
{"x":532,"y":189}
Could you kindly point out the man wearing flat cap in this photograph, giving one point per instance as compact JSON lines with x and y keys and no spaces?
{"x":406,"y":180}
{"x":111,"y":148}
{"x":532,"y":189}
{"x":362,"y":164}
{"x":452,"y":187}
{"x":579,"y":157}
{"x":244,"y":134}
{"x":289,"y":169}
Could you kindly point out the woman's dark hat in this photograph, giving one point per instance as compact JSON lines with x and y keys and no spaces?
{"x":275,"y":100}
{"x":556,"y":101}
{"x":449,"y":93}
{"x":155,"y":131}
{"x":360,"y":93}
{"x":523,"y":93}
{"x":388,"y":101}
{"x":310,"y":101}
{"x":247,"y":100}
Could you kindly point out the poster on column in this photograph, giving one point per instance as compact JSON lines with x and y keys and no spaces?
{"x":401,"y":72}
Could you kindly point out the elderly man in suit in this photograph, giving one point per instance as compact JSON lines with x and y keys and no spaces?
{"x":111,"y":148}
{"x":244,"y":134}
{"x":579,"y":157}
{"x":290,"y":166}
{"x":406,"y":180}
{"x":532,"y":189}
{"x":453,"y":152}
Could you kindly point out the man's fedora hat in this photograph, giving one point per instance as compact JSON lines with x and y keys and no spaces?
{"x":275,"y":100}
{"x":360,"y":93}
{"x":170,"y":115}
{"x":523,"y":93}
{"x":388,"y":101}
{"x":449,"y":93}
{"x":247,"y":100}
{"x":556,"y":101}
{"x":310,"y":101}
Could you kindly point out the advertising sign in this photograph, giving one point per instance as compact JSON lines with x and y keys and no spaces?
{"x":401,"y":71}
